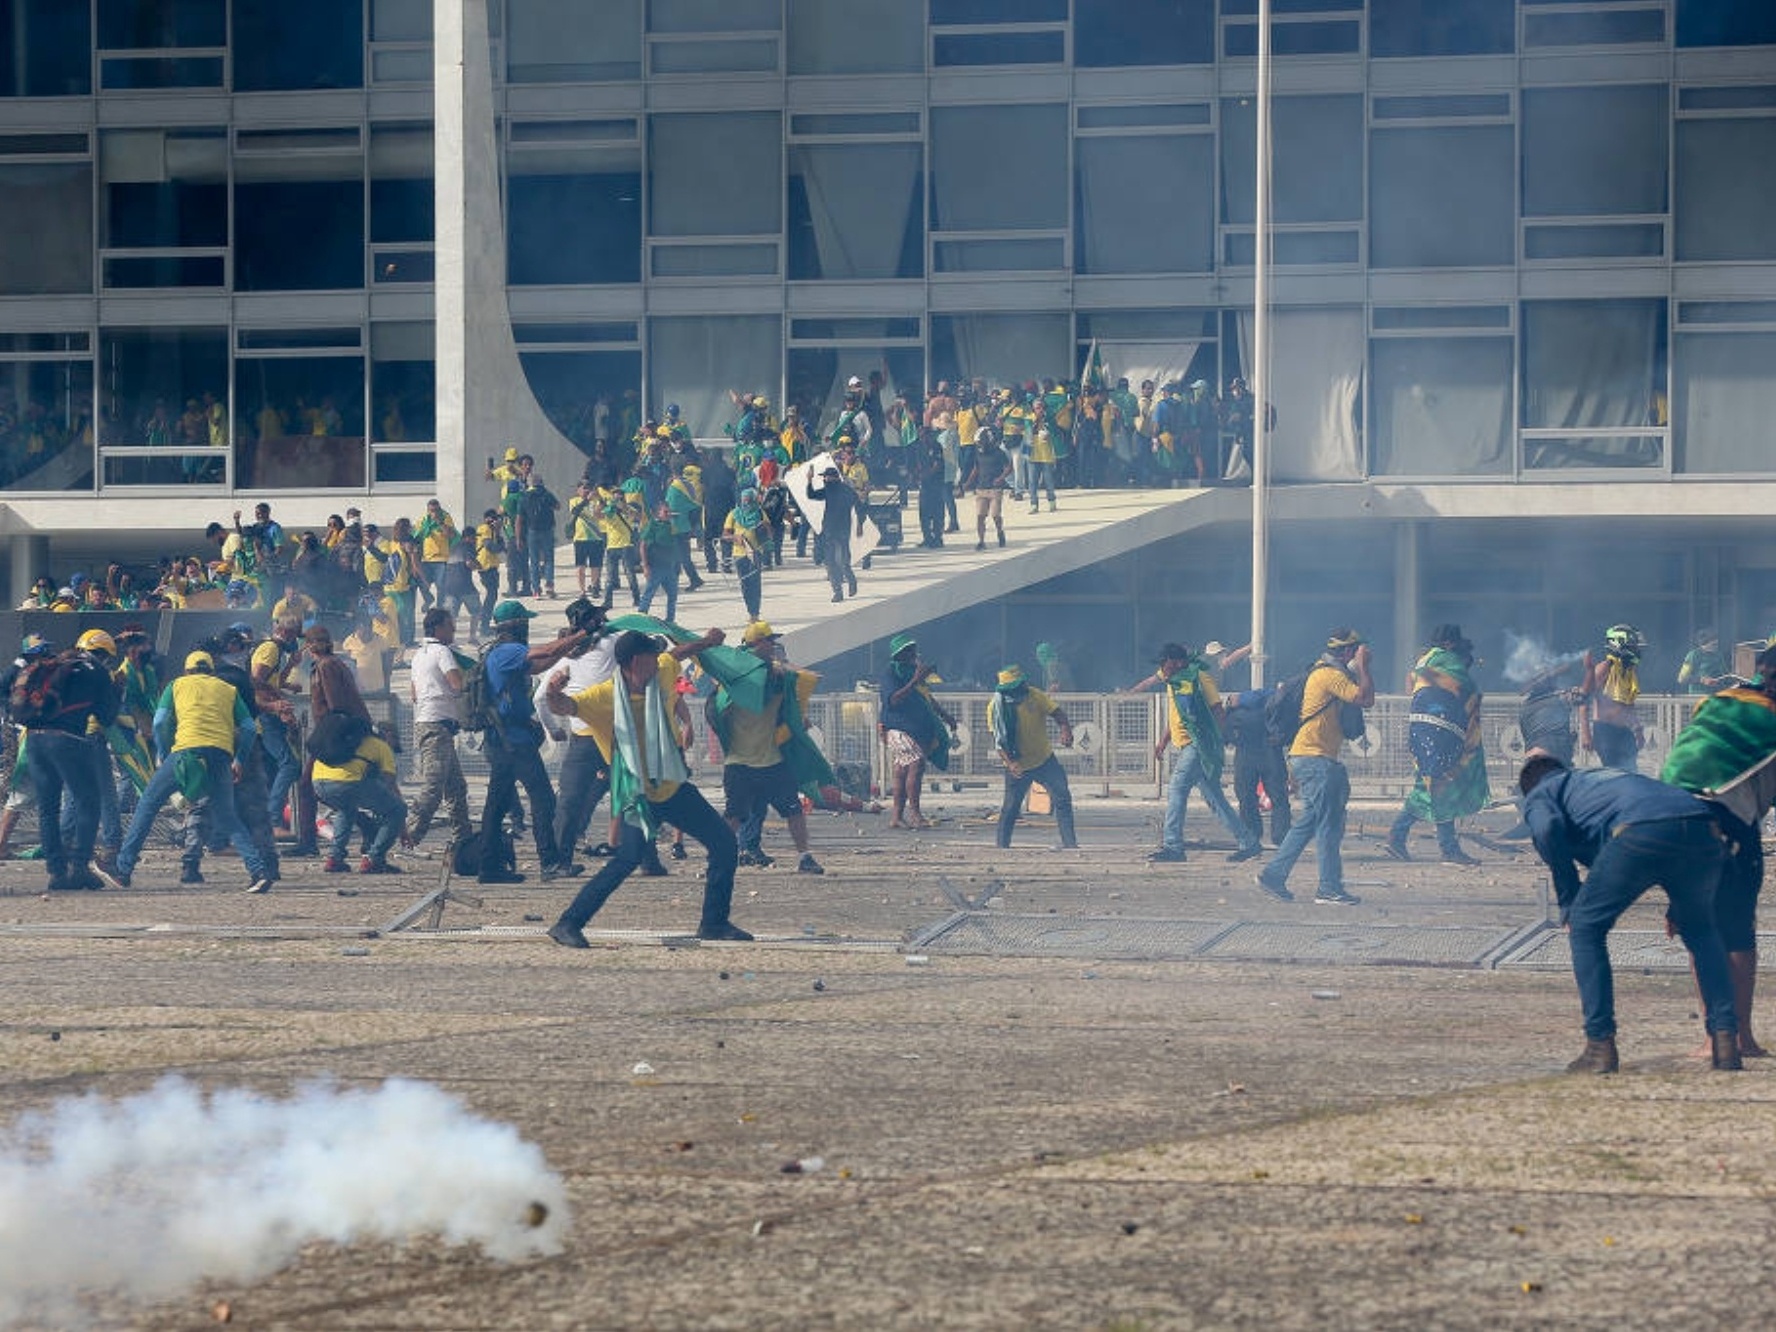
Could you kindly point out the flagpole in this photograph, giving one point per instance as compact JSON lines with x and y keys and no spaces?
{"x":1258,"y":373}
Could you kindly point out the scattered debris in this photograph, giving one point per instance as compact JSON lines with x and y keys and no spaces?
{"x":806,"y":1166}
{"x":222,"y":1311}
{"x":819,"y":985}
{"x":354,"y":952}
{"x":1325,"y":994}
{"x":642,"y":1070}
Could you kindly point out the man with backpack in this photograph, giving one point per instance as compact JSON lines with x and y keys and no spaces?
{"x":200,"y":724}
{"x":1321,"y":702}
{"x":498,"y":692}
{"x":354,"y":773}
{"x":539,"y":508}
{"x":55,"y":698}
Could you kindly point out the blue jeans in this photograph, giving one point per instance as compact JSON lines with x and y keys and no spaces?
{"x":374,"y":797}
{"x":110,"y":822}
{"x":285,"y":767}
{"x":662,"y":577}
{"x":688,"y":811}
{"x":1325,"y":791}
{"x":160,"y":789}
{"x":542,"y":563}
{"x":1188,"y":774}
{"x":1053,"y":777}
{"x":1042,"y":476}
{"x":1447,"y":842}
{"x":1685,"y":857}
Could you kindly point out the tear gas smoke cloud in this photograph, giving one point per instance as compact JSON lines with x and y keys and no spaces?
{"x":142,"y":1198}
{"x":1526,"y":657}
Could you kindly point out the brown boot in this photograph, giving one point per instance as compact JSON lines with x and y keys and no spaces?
{"x":1726,"y":1051}
{"x":1599,"y":1057}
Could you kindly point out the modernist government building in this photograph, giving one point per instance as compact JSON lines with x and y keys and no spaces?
{"x":334,"y":253}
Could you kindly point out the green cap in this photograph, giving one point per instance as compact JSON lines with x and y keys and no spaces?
{"x":900,"y":643}
{"x":510,"y":612}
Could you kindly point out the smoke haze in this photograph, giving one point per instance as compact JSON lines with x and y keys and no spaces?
{"x":1526,"y":657}
{"x":142,"y":1198}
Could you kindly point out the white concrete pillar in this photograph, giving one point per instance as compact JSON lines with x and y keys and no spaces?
{"x":27,"y":558}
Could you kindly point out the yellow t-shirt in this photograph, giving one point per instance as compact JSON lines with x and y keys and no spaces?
{"x":967,"y":426}
{"x":298,"y":607}
{"x":1042,"y":447}
{"x":373,"y":753}
{"x":619,"y":527}
{"x":435,"y":546}
{"x":755,"y":739}
{"x":403,"y":579}
{"x":486,"y":557}
{"x":368,"y":656}
{"x":596,"y":707}
{"x":1210,"y":694}
{"x":1032,"y":725}
{"x":1320,"y":734}
{"x":270,"y":655}
{"x":205,"y":711}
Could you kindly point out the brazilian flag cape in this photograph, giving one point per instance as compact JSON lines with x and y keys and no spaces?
{"x":1198,"y":719}
{"x":1731,"y":734}
{"x":1462,"y":790}
{"x":746,"y":682}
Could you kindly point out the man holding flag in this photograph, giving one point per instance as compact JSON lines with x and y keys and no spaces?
{"x":629,"y":716}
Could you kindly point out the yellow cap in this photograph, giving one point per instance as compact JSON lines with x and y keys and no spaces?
{"x":758,"y":632}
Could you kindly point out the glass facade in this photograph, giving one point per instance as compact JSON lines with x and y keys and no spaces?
{"x":1488,"y":266}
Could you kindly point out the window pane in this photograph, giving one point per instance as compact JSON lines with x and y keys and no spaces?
{"x":715,"y":261}
{"x":1296,"y":247}
{"x":1035,"y":255}
{"x":280,"y":46}
{"x":1717,"y":23}
{"x":1552,"y":453}
{"x":49,"y":232}
{"x":161,"y":385}
{"x":1724,"y":399}
{"x":855,"y":330}
{"x":299,"y":423}
{"x":1592,"y":364}
{"x":1109,"y":33}
{"x":403,"y":384}
{"x":573,"y":41}
{"x":713,"y":15}
{"x":43,"y":145}
{"x":46,"y":440}
{"x":140,"y":24}
{"x":1000,"y":48}
{"x":1744,"y":97}
{"x":998,"y":167}
{"x":1173,"y":230}
{"x":1002,"y":349}
{"x":574,"y":216}
{"x":695,"y":361}
{"x":1152,"y":113}
{"x":997,"y":11}
{"x":856,"y":36}
{"x":1441,"y":107}
{"x":163,"y":188}
{"x":820,"y":123}
{"x":402,"y":202}
{"x":118,"y":72}
{"x":1604,"y":28}
{"x":1317,"y":162}
{"x":739,"y":57}
{"x":1289,"y":39}
{"x":716,"y":175}
{"x":1441,"y":197}
{"x":585,"y":392}
{"x":1627,"y":240}
{"x":1595,"y":150}
{"x":299,"y":235}
{"x":856,"y":211}
{"x":817,"y":375}
{"x":1442,"y":406}
{"x":191,"y":271}
{"x":1440,"y":316}
{"x":1724,"y":206}
{"x":1442,"y":27}
{"x":401,"y":21}
{"x":405,"y":467}
{"x":45,"y":48}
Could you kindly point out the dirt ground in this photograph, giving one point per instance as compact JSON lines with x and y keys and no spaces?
{"x":1062,"y":1141}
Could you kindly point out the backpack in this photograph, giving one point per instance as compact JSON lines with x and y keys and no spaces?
{"x":480,"y":704}
{"x":336,"y":737}
{"x":466,"y":855}
{"x":36,"y":697}
{"x":1282,"y":710}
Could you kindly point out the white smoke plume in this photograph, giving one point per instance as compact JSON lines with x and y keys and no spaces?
{"x":1526,"y":657}
{"x":144,"y":1197}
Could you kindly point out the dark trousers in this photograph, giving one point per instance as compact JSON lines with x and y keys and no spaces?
{"x":1263,"y":763}
{"x":752,"y":583}
{"x":1683,"y":856}
{"x":61,"y":762}
{"x":1053,"y":778}
{"x":585,"y":779}
{"x":489,"y":598}
{"x":686,"y":810}
{"x":508,"y":765}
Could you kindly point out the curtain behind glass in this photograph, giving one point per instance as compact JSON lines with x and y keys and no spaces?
{"x":1442,"y":406}
{"x":716,"y":174}
{"x":1316,"y":359}
{"x":1589,"y":364}
{"x":1162,"y":362}
{"x":860,"y":198}
{"x":1007,"y":349}
{"x":1723,"y":205}
{"x":695,"y":361}
{"x":999,"y":167}
{"x":1172,"y":230}
{"x":1726,"y":399}
{"x":856,"y":36}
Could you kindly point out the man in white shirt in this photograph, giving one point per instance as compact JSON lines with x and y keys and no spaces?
{"x":436,"y":677}
{"x":585,"y":776}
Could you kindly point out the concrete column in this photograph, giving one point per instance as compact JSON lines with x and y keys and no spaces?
{"x":28,"y":558}
{"x":1407,"y":613}
{"x":484,"y":401}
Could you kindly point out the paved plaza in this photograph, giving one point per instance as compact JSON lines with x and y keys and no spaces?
{"x":1032,"y":1088}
